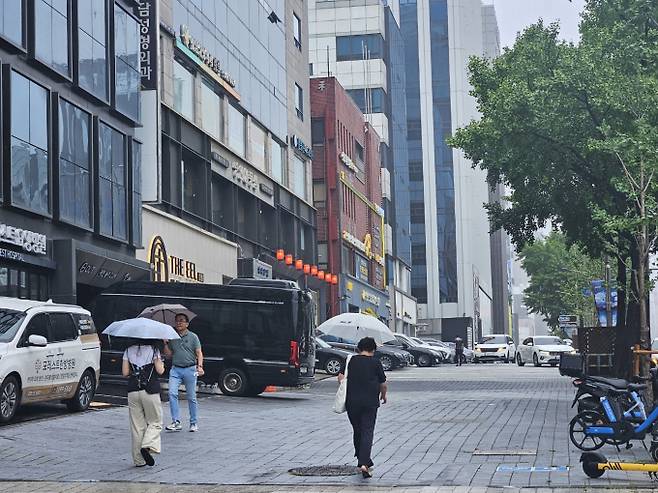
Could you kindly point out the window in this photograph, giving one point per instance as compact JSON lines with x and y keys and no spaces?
{"x":222,"y":202}
{"x":37,"y":326}
{"x":183,"y":91}
{"x":299,"y":101}
{"x":85,"y":323}
{"x":236,"y":122}
{"x":127,"y":78}
{"x":299,"y":177}
{"x":371,"y":100}
{"x":317,"y":131}
{"x":51,"y":34}
{"x":92,"y":47}
{"x":62,"y":327}
{"x":360,"y":47}
{"x":297,"y":30}
{"x":358,"y":153}
{"x":415,"y":171}
{"x":11,"y":21}
{"x":417,"y":212}
{"x":277,"y":161}
{"x":194,"y":183}
{"x":137,"y":194}
{"x":74,"y":165}
{"x":112,"y":200}
{"x":257,"y":146}
{"x":210,"y":110}
{"x":30,"y":174}
{"x":418,"y":255}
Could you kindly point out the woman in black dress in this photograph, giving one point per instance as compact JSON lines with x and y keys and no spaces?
{"x":366,"y":387}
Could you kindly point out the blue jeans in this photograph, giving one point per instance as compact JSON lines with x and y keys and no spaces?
{"x":186,"y":376}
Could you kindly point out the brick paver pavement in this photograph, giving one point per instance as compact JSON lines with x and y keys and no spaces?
{"x":443,"y":428}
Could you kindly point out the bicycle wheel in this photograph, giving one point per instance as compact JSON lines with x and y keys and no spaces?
{"x":577,"y":428}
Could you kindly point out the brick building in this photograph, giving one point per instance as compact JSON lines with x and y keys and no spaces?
{"x":348,"y":196}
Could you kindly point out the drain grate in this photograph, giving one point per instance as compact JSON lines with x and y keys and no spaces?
{"x":345,"y":470}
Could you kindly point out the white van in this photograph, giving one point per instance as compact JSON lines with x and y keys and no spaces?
{"x":48,"y":352}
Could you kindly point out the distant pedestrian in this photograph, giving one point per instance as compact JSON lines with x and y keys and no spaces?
{"x":142,"y":363}
{"x":459,"y":351}
{"x":187,"y":364}
{"x":366,"y":387}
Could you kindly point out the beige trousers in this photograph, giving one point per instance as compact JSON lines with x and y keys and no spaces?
{"x":145,"y":413}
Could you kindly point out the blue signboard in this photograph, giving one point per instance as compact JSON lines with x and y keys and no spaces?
{"x":599,"y":291}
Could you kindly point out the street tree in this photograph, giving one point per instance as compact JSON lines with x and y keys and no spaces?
{"x":571,"y":130}
{"x":558,"y":275}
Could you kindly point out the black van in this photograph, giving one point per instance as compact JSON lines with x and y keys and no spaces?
{"x":251,"y":336}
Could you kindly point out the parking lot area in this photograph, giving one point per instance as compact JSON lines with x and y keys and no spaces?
{"x":476,"y":425}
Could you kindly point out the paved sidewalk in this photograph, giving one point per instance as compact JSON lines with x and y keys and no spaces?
{"x":479,"y":426}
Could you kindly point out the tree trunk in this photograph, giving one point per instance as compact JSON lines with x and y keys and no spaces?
{"x":623,"y":340}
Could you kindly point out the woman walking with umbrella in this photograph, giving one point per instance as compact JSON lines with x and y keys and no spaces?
{"x":142,"y":364}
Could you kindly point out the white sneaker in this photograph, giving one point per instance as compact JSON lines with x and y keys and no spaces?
{"x":174,"y":426}
{"x":194,"y":427}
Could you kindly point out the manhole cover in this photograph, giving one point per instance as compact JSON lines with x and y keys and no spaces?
{"x":325,"y":471}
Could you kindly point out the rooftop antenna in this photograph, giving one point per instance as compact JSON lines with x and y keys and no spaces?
{"x":328,"y":73}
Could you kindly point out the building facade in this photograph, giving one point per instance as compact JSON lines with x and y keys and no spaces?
{"x":451,"y":250}
{"x":347,"y":191}
{"x":229,"y":170}
{"x":360,"y":43}
{"x":70,"y":181}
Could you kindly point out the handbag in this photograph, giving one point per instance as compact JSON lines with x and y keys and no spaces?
{"x":341,"y":393}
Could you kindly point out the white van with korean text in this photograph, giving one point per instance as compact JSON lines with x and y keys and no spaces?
{"x":48,"y":352}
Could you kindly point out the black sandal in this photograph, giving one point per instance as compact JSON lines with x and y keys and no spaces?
{"x":365,"y":472}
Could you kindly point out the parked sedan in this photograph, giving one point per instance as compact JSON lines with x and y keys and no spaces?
{"x":542,"y":350}
{"x":446,"y":353}
{"x":495,"y":347}
{"x":328,"y":358}
{"x":424,"y":355}
{"x":390,"y":357}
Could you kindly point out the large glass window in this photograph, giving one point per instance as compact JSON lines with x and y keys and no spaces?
{"x":127,"y":78}
{"x":210,"y":110}
{"x":92,"y":47}
{"x":299,"y":101}
{"x":137,"y":194}
{"x":194,"y":183}
{"x":370,"y":100}
{"x":112,"y":200}
{"x":51,"y":34}
{"x":276,"y":153}
{"x":236,"y":123}
{"x":299,"y":176}
{"x":257,"y":146}
{"x":74,"y":165}
{"x":11,"y":21}
{"x":359,"y":47}
{"x":222,"y":200}
{"x":183,"y":91}
{"x":30,"y":174}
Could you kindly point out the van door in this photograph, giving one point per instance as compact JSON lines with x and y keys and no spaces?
{"x":67,"y":365}
{"x":33,"y":362}
{"x":305,"y":334}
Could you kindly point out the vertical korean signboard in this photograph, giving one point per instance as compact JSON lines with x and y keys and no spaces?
{"x":148,"y":43}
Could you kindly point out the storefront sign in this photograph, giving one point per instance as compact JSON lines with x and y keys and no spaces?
{"x":148,"y":43}
{"x":299,"y":144}
{"x":354,"y":241}
{"x":361,"y":268}
{"x":254,"y":268}
{"x":266,"y":189}
{"x":370,"y":298}
{"x":208,"y":62}
{"x":365,"y":246}
{"x":29,"y":241}
{"x":170,"y":268}
{"x":244,"y":176}
{"x":347,"y":161}
{"x":11,"y":255}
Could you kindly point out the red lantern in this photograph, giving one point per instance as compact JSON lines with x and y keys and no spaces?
{"x":299,"y":264}
{"x":314,"y":270}
{"x":288,"y":259}
{"x":321,"y":275}
{"x":327,"y":278}
{"x":307,"y":268}
{"x":280,"y":254}
{"x":334,"y":279}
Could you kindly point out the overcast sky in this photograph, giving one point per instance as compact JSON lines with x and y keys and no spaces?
{"x":515,"y":15}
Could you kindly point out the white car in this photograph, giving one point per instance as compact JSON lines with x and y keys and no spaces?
{"x":542,"y":350}
{"x":48,"y":352}
{"x":445,"y":352}
{"x":495,"y":347}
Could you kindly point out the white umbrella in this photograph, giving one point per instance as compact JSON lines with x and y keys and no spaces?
{"x":355,"y":326}
{"x":141,"y":328}
{"x":166,"y":313}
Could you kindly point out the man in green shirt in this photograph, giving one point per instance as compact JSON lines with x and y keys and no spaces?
{"x":187,"y":364}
